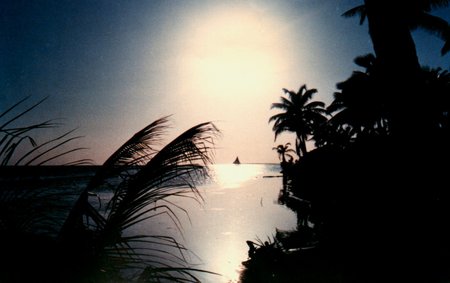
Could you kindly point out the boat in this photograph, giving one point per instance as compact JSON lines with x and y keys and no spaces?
{"x":236,"y":161}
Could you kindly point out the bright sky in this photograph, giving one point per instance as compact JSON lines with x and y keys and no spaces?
{"x":112,"y":67}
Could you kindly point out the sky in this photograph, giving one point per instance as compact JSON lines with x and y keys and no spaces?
{"x":109,"y":68}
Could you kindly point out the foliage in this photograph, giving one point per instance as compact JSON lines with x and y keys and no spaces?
{"x":388,"y":133}
{"x":95,"y":242}
{"x":20,"y":190}
{"x":16,"y":140}
{"x":149,"y":181}
{"x":283,"y":151}
{"x":300,"y":116}
{"x":437,"y":87}
{"x":359,"y":105}
{"x":417,"y":15}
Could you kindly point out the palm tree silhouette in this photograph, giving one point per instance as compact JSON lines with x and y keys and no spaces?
{"x":18,"y":145}
{"x":360,"y":103}
{"x":414,"y":14}
{"x":390,"y":26}
{"x":301,"y":116}
{"x":56,"y":240}
{"x":437,"y":83}
{"x":149,"y":178}
{"x":283,"y":151}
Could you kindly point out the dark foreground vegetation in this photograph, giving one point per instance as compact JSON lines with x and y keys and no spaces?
{"x":53,"y":230}
{"x":372,"y":197}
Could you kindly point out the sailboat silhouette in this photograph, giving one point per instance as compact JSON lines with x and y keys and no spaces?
{"x":236,"y":161}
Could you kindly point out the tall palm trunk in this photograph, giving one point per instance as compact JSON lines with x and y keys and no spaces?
{"x":391,"y":36}
{"x":399,"y":79}
{"x":283,"y":157}
{"x":301,"y":144}
{"x":399,"y":68}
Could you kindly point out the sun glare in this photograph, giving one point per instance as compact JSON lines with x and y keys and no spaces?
{"x":234,"y":176}
{"x":231,"y":62}
{"x":231,"y":52}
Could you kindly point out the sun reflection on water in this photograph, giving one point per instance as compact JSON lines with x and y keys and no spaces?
{"x":240,"y":204}
{"x":233,"y":176}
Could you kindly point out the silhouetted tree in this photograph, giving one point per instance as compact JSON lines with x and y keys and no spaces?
{"x":418,"y":15}
{"x":18,"y":143}
{"x":360,"y":104}
{"x":437,"y":97}
{"x":389,"y":133}
{"x":390,"y":25}
{"x":338,"y":136}
{"x":54,"y":240}
{"x":300,"y":115}
{"x":147,"y":176}
{"x":283,"y":151}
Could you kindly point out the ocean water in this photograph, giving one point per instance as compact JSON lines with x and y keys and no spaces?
{"x":239,"y":203}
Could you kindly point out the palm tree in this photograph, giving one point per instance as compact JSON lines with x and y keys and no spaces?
{"x":31,"y":205}
{"x":19,"y":151}
{"x":337,"y":136}
{"x":360,"y":103}
{"x":437,"y":83}
{"x":283,"y":151}
{"x":95,"y":242}
{"x":18,"y":147}
{"x":149,"y":179}
{"x":300,"y":116}
{"x":418,"y":15}
{"x":390,"y":25}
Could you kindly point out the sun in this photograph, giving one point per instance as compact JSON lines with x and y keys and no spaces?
{"x":232,"y":51}
{"x":231,"y":60}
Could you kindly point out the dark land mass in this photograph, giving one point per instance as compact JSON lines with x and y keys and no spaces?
{"x":381,"y":213}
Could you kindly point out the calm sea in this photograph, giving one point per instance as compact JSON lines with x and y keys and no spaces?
{"x":240,"y":203}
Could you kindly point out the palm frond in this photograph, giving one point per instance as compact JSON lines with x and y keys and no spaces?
{"x":53,"y":149}
{"x":22,"y":113}
{"x":172,"y":274}
{"x":146,"y":250}
{"x":150,"y":179}
{"x":357,"y":11}
{"x":55,"y":156}
{"x":13,"y":147}
{"x":283,"y":127}
{"x":315,"y":105}
{"x":144,"y":193}
{"x":366,"y":61}
{"x":135,"y":152}
{"x":177,"y":166}
{"x":13,"y":138}
{"x":301,"y":90}
{"x":439,"y":3}
{"x":291,"y":94}
{"x":285,"y":104}
{"x":434,"y":25}
{"x":307,"y":95}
